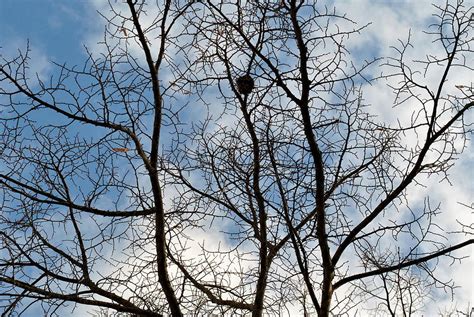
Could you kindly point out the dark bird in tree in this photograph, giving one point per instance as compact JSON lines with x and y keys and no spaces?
{"x":245,"y":84}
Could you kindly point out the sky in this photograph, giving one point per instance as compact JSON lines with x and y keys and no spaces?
{"x":57,"y":30}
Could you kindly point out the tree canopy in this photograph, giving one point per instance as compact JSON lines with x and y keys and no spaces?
{"x":237,"y":158}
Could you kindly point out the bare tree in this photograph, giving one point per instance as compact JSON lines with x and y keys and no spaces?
{"x":245,"y":121}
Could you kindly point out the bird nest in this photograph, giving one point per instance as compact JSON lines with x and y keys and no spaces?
{"x":245,"y":84}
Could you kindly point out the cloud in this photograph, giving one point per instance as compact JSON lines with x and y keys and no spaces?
{"x":38,"y":63}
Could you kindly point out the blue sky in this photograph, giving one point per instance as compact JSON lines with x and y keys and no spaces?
{"x":57,"y":31}
{"x":56,"y":28}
